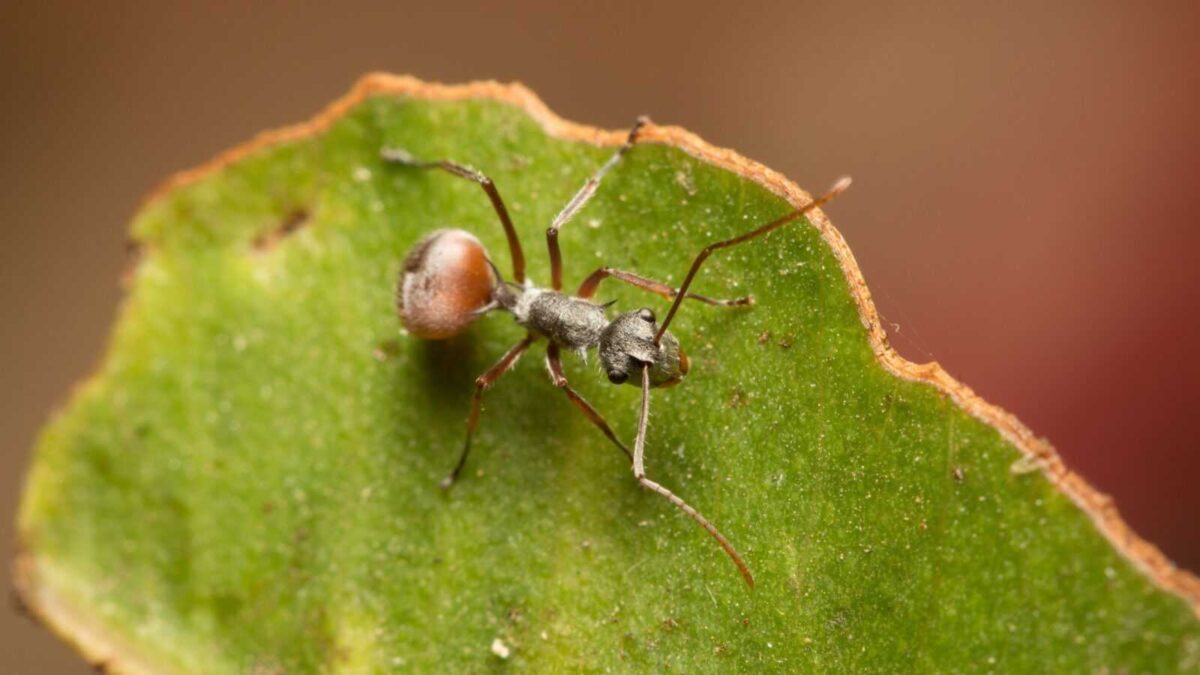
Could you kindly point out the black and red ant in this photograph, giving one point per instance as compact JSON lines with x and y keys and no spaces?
{"x":448,"y":281}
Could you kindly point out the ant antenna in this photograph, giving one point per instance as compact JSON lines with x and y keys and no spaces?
{"x":838,"y":188}
{"x":639,"y":472}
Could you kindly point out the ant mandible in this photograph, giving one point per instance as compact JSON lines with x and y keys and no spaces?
{"x":448,"y":281}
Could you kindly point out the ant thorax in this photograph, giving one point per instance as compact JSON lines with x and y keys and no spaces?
{"x":578,"y":324}
{"x":571,"y":323}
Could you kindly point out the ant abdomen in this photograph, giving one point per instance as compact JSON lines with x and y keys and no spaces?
{"x":446,"y":279}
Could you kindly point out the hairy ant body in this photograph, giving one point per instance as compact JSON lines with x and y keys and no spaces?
{"x":448,"y":281}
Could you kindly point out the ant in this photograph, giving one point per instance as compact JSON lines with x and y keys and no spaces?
{"x":448,"y":281}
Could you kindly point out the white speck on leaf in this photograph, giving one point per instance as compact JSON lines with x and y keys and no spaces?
{"x":500,"y":649}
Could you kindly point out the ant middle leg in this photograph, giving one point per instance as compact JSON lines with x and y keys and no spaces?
{"x":589,"y":286}
{"x":400,"y":156}
{"x":577,"y":202}
{"x":554,"y":365}
{"x":482,"y":382}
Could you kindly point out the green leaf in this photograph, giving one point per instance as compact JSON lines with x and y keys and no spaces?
{"x":249,"y":483}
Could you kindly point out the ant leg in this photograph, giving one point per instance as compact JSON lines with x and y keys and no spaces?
{"x":554,"y":365}
{"x":402,"y":157}
{"x":585,"y":193}
{"x":588,"y":288}
{"x":639,"y":472}
{"x":482,"y":382}
{"x":837,"y":189}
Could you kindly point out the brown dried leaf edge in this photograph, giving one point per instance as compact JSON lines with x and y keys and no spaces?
{"x":108,"y":651}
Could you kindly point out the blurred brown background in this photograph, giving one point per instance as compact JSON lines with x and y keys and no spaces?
{"x":1024,"y":206}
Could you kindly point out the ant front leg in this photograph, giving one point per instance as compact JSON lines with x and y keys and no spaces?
{"x":482,"y":382}
{"x":577,"y":202}
{"x":554,"y":365}
{"x":589,"y":286}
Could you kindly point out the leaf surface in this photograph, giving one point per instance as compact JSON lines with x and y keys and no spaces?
{"x":249,"y":483}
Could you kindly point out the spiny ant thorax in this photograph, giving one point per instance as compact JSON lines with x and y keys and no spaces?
{"x":578,"y":324}
{"x":570,"y":322}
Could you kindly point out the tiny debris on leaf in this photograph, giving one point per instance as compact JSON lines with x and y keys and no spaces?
{"x":500,"y":649}
{"x":1026,"y":464}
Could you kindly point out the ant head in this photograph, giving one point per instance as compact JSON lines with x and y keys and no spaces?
{"x":627,"y":344}
{"x":446,"y":283}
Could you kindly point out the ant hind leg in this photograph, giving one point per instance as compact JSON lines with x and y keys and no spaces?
{"x":399,"y":156}
{"x":482,"y":382}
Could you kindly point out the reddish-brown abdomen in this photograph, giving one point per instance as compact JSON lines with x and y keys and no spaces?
{"x":446,"y":278}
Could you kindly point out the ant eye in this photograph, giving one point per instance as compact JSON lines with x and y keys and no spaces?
{"x":617,"y":378}
{"x":646,"y":315}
